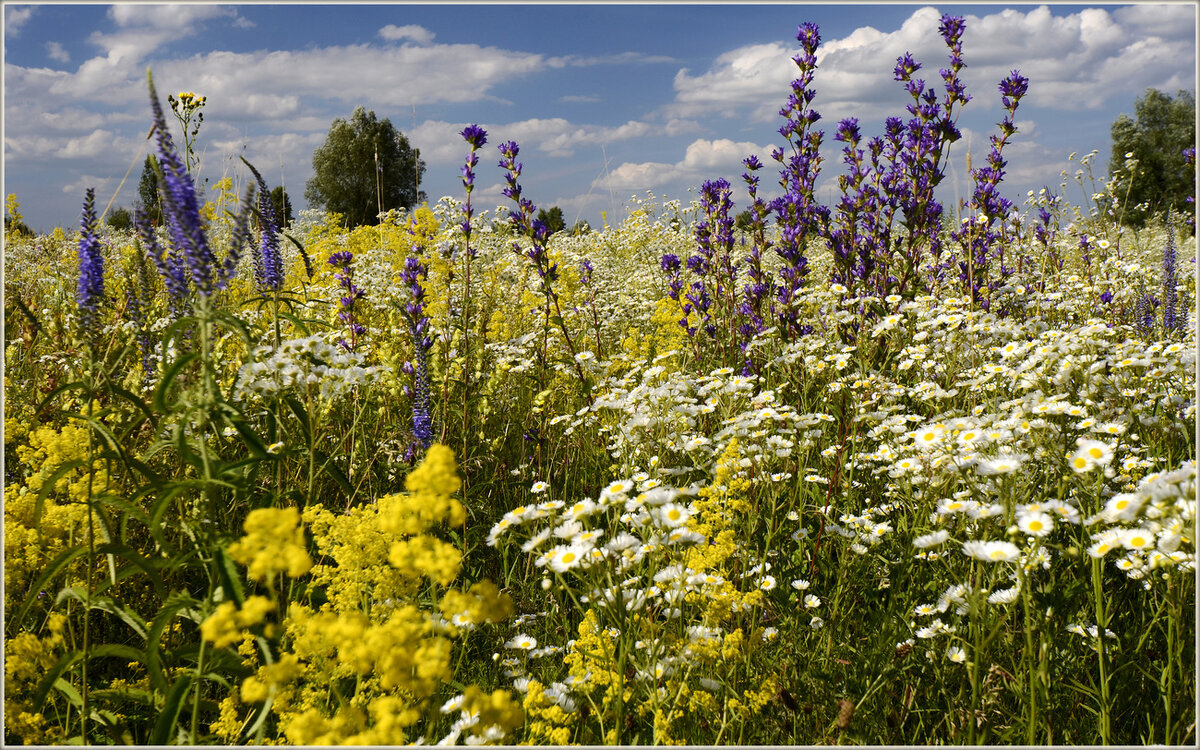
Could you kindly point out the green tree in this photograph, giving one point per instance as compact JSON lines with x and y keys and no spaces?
{"x":283,"y":206}
{"x":148,"y":191}
{"x":553,"y":219}
{"x":1154,"y":139}
{"x":120,"y":219}
{"x":742,"y":221}
{"x":365,"y":167}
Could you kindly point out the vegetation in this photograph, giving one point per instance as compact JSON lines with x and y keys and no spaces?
{"x":844,"y":476}
{"x":282,"y":205}
{"x":1148,"y":163}
{"x":365,"y":168}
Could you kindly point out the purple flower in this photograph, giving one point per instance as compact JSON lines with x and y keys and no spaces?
{"x":1172,"y":320}
{"x":268,"y":263}
{"x":474,"y":135}
{"x":90,"y":292}
{"x":181,"y":208}
{"x":418,"y":326}
{"x":341,"y":260}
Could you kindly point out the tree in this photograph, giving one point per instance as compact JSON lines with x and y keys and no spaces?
{"x":1163,"y":128}
{"x":365,"y":167}
{"x":553,"y":219}
{"x":120,"y":219}
{"x":743,"y":221}
{"x":283,"y":206}
{"x":148,"y":191}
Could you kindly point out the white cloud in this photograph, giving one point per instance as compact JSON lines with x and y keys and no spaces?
{"x":619,"y":58}
{"x":80,"y":186}
{"x":1076,"y":61}
{"x":57,"y":53}
{"x":441,"y":142}
{"x":15,"y":17}
{"x":418,"y":34}
{"x":90,"y":145}
{"x":744,"y":78}
{"x":174,"y":16}
{"x":703,"y":159}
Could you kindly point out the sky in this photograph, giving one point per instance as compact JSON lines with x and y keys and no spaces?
{"x":607,"y":101}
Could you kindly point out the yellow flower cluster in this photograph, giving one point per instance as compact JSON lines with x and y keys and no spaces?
{"x":366,"y":667}
{"x":481,"y":603}
{"x":549,"y":724}
{"x":33,"y":537}
{"x":228,"y":624}
{"x":27,"y":659}
{"x":664,"y":334}
{"x":716,"y":509}
{"x":49,"y":449}
{"x":430,"y":488}
{"x":190,"y":100}
{"x":274,"y":543}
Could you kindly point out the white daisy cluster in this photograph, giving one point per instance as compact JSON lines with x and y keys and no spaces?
{"x":306,"y":364}
{"x":1151,"y":528}
{"x":629,"y":521}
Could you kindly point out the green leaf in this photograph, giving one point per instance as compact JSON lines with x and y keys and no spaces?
{"x":249,"y":437}
{"x":46,"y":684}
{"x":160,"y":394}
{"x":178,"y":601}
{"x":110,"y":605}
{"x":77,"y":385}
{"x":229,"y":576}
{"x":56,"y":566}
{"x":334,"y":473}
{"x":169,"y":714}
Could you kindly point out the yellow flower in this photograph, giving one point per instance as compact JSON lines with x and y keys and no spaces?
{"x":274,"y":543}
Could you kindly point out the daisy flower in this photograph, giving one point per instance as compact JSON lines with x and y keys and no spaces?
{"x":993,"y":551}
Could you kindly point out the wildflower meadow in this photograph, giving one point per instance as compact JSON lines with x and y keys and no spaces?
{"x":878,"y":472}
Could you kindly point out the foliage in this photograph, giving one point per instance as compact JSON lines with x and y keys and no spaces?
{"x":534,"y":498}
{"x":120,"y":219}
{"x":283,"y":206}
{"x":1148,"y":162}
{"x":365,"y":167}
{"x":14,"y":225}
{"x":148,"y":191}
{"x":552,"y":218}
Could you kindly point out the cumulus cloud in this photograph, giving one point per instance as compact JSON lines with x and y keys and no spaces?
{"x":56,"y":52}
{"x":418,"y":34}
{"x":92,"y":144}
{"x":15,"y":17}
{"x":174,"y":16}
{"x":440,"y":142}
{"x":1075,"y":61}
{"x":703,"y":159}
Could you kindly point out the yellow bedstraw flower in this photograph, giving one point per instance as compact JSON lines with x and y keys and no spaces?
{"x":274,"y":543}
{"x":227,"y":624}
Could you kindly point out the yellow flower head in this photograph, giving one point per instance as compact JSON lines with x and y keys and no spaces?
{"x":274,"y":543}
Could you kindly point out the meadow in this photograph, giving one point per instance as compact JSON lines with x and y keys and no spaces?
{"x":881,"y":472}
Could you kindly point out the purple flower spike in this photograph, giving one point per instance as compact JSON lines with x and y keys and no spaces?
{"x":90,"y":292}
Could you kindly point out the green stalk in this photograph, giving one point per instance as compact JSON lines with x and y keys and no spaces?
{"x":1101,"y":623}
{"x":91,"y":558}
{"x":1031,"y":717}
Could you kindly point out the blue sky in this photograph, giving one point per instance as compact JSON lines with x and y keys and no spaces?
{"x":607,"y":101}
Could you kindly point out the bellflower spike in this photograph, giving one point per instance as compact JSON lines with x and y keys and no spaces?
{"x":91,"y":266}
{"x":268,"y":263}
